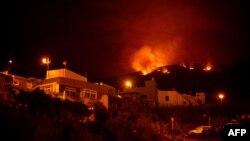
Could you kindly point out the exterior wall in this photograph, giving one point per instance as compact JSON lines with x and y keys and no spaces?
{"x":150,"y":90}
{"x":22,"y":83}
{"x":173,"y":98}
{"x":88,"y":96}
{"x":19,"y":83}
{"x":93,"y":92}
{"x":71,"y":93}
{"x":65,"y":73}
{"x":50,"y":87}
{"x":3,"y":92}
{"x":64,"y":84}
{"x":74,"y":89}
{"x":201,"y":97}
{"x":105,"y":101}
{"x":4,"y":81}
{"x":167,"y":98}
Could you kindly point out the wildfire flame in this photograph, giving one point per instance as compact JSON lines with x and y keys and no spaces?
{"x":146,"y":59}
{"x":208,"y":67}
{"x":149,"y":58}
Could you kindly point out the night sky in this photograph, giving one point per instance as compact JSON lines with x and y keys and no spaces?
{"x":100,"y":36}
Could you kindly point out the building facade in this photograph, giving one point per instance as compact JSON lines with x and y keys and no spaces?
{"x":5,"y":81}
{"x":174,"y":98}
{"x":162,"y":98}
{"x":66,"y":84}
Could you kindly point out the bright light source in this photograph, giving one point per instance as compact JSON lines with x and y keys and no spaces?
{"x":183,"y":65}
{"x":10,"y":61}
{"x":221,"y":97}
{"x":165,"y":70}
{"x":46,"y":61}
{"x":119,"y":96}
{"x":208,"y":67}
{"x":128,"y":84}
{"x":64,"y":63}
{"x":144,"y":72}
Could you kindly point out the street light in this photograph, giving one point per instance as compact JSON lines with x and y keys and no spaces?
{"x":47,"y":62}
{"x":221,"y":97}
{"x":10,"y":62}
{"x":64,"y":63}
{"x":128,"y":84}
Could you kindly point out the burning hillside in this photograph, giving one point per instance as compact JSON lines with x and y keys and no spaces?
{"x":148,"y":58}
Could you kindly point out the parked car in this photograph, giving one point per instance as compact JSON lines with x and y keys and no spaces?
{"x":200,"y":129}
{"x":202,"y":132}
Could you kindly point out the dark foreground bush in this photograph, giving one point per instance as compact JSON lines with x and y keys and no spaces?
{"x":38,"y":117}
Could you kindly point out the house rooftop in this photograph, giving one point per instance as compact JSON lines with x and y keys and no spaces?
{"x":65,"y":73}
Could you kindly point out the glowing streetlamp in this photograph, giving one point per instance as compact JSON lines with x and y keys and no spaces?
{"x":221,"y":97}
{"x":10,"y":62}
{"x":128,"y":84}
{"x":47,"y":62}
{"x":65,"y":64}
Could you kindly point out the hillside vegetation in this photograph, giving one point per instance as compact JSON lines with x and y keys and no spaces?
{"x":36,"y":116}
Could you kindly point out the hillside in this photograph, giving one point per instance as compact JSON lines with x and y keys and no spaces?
{"x":233,"y":80}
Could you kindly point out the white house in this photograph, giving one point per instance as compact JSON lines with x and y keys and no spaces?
{"x":69,"y":85}
{"x":165,"y":97}
{"x":64,"y":84}
{"x":22,"y":83}
{"x":173,"y":98}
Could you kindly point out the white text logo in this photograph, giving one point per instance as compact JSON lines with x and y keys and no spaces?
{"x":237,"y":132}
